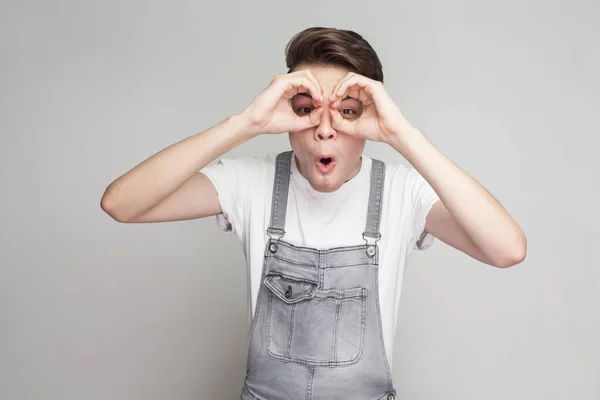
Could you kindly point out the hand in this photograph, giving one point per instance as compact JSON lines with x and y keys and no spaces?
{"x":379,"y":119}
{"x":272,"y":112}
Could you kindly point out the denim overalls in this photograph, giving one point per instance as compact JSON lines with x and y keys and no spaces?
{"x":316,"y":333}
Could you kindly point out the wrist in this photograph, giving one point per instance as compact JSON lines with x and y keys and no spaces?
{"x":243,"y":127}
{"x":416,"y":148}
{"x":403,"y":136}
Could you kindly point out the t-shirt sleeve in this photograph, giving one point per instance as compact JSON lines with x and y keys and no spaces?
{"x":232,"y":178}
{"x":423,"y":198}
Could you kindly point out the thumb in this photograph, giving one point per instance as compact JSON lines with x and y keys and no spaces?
{"x":339,"y":123}
{"x":308,"y":121}
{"x":315,"y":116}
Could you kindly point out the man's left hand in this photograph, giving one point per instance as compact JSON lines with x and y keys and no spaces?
{"x":380,"y":119}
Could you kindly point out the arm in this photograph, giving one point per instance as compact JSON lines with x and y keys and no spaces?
{"x":168,"y":187}
{"x":467,"y":216}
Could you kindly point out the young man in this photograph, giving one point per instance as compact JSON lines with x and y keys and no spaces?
{"x":326,"y":231}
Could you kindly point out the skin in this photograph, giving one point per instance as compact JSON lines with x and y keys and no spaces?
{"x":330,"y":111}
{"x":312,"y":143}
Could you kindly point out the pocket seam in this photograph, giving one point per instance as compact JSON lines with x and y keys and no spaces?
{"x":273,"y":289}
{"x":312,"y":362}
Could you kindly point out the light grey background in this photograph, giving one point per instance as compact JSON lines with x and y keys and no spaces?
{"x":93,"y":309}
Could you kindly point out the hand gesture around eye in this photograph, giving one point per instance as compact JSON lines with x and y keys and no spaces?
{"x":378,"y":118}
{"x":271,"y":112}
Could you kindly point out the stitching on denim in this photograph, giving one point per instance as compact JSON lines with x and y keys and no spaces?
{"x":380,"y":328}
{"x":338,"y":294}
{"x":321,"y":278}
{"x":275,"y":200}
{"x":336,"y":322}
{"x":312,"y":362}
{"x":359,"y":264}
{"x":380,"y":184}
{"x":375,"y":195}
{"x":280,"y":190}
{"x":300,"y":248}
{"x":277,"y":217}
{"x":317,"y":251}
{"x":261,"y":294}
{"x":362,"y":324}
{"x":322,"y":263}
{"x":378,"y":196}
{"x":290,"y":278}
{"x":311,"y":375}
{"x":281,"y":296}
{"x":269,"y":308}
{"x":289,"y":261}
{"x":290,"y":330}
{"x":347,"y":248}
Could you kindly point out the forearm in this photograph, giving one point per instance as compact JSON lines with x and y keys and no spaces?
{"x":155,"y":178}
{"x":483,"y":219}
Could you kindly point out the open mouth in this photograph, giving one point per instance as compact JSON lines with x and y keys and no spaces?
{"x":325,"y":164}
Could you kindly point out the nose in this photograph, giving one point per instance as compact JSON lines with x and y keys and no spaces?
{"x":324,"y":131}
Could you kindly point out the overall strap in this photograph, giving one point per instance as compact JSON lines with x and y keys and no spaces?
{"x":371,"y":234}
{"x":280,"y":195}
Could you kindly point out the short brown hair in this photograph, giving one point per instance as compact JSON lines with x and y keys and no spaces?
{"x":332,"y":46}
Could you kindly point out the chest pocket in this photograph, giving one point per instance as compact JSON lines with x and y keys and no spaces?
{"x":314,"y":327}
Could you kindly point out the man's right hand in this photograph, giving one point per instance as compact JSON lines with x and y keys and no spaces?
{"x":273,"y":110}
{"x":167,"y":185}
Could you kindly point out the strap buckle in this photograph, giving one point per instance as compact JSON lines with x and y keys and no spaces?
{"x":374,"y":237}
{"x":371,"y":247}
{"x":275,"y":232}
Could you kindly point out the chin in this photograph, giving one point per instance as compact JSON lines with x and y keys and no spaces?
{"x":325,"y":184}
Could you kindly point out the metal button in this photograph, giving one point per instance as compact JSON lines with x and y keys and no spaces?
{"x":371,"y":251}
{"x":288,"y":293}
{"x":391,"y":397}
{"x":273,"y":247}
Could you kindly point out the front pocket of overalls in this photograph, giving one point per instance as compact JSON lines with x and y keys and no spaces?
{"x":314,"y":327}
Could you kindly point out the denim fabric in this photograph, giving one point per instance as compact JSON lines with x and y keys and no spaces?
{"x":316,"y":332}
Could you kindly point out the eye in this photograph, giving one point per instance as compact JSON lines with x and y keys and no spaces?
{"x":348,"y":113}
{"x":303,"y":110}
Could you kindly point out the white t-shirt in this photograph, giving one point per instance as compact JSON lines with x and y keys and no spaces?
{"x":325,"y":220}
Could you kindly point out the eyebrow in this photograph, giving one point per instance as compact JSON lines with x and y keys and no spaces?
{"x":306,"y":94}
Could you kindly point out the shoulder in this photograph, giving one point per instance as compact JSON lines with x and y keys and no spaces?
{"x":249,"y":161}
{"x":246,"y":167}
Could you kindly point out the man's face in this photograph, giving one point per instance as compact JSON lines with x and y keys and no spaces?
{"x":325,"y":157}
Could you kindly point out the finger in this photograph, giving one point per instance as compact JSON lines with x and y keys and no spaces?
{"x":318,"y":97}
{"x":342,"y":90}
{"x":366,"y":92}
{"x":308,"y":121}
{"x":292,"y":85}
{"x":355,"y":92}
{"x":361,"y":82}
{"x":315,"y":116}
{"x":337,"y":85}
{"x":313,"y":79}
{"x":339,"y":123}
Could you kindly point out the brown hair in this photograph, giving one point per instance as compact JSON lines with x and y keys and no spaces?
{"x":332,"y":46}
